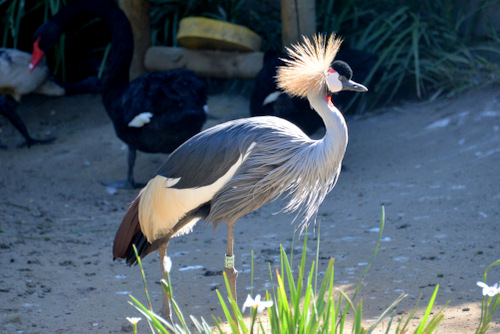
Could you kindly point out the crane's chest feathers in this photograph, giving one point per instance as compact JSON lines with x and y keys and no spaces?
{"x":254,"y":163}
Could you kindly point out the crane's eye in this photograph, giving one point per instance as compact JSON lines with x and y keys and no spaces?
{"x":342,"y":78}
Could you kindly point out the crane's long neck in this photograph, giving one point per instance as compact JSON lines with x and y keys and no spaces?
{"x":336,"y":137}
{"x":116,"y":73}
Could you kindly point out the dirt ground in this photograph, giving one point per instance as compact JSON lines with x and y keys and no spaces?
{"x":433,"y":165}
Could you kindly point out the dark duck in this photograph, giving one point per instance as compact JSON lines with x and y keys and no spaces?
{"x":267,"y":99}
{"x":17,"y":80}
{"x":156,"y":112}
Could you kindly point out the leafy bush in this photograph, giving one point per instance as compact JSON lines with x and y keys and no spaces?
{"x":425,"y":48}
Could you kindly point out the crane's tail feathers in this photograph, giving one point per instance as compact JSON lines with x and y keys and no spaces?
{"x":129,"y":233}
{"x":128,"y":229}
{"x":309,"y":62}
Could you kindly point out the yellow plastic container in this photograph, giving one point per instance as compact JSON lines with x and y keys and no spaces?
{"x":201,"y":33}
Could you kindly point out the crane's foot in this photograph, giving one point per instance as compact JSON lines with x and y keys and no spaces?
{"x":166,"y":313}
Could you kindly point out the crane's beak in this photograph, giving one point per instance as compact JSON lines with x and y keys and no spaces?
{"x":354,"y":86}
{"x":36,"y":56}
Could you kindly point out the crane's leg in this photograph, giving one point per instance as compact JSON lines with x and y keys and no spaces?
{"x":165,"y":310}
{"x":231,"y":273}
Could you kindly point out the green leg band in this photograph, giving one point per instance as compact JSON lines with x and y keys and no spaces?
{"x":229,"y":262}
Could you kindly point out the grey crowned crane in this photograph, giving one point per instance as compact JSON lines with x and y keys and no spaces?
{"x":233,"y":168}
{"x":17,"y":80}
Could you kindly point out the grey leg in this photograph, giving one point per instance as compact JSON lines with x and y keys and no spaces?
{"x":165,"y":310}
{"x":231,"y":273}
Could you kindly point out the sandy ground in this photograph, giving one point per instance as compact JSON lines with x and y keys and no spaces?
{"x":434,"y":166}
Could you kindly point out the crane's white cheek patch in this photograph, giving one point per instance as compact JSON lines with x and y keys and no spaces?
{"x":333,"y":82}
{"x":162,"y":206}
{"x":140,"y":120}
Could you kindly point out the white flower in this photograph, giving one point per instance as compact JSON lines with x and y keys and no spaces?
{"x":257,"y":303}
{"x":167,"y":264}
{"x":489,"y":290}
{"x":133,"y":320}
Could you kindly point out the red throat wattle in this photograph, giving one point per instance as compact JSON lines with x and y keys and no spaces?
{"x":328,"y":99}
{"x":36,"y":56}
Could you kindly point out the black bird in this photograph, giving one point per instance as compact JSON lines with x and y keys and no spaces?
{"x":156,"y":112}
{"x":268,"y":100}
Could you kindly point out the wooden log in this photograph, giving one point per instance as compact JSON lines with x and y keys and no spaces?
{"x":137,"y":12}
{"x":298,"y":18}
{"x":217,"y":64}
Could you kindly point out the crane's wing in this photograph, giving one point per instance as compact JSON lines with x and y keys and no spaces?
{"x":192,"y":176}
{"x":208,"y":156}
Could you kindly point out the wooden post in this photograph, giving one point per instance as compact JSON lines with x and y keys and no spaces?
{"x":298,"y":18}
{"x":137,"y":12}
{"x":218,"y":64}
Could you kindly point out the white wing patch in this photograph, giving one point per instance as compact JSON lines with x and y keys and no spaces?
{"x":172,"y":182}
{"x":162,"y":206}
{"x":140,"y":120}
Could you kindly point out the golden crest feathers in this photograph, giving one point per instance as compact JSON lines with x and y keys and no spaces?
{"x":308,"y":65}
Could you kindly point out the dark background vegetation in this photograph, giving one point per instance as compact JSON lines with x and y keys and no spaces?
{"x":425,"y":48}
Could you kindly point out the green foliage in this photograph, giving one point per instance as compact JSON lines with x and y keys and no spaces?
{"x":298,"y":307}
{"x":424,"y":47}
{"x":488,"y":305}
{"x":166,"y":15}
{"x":16,"y":11}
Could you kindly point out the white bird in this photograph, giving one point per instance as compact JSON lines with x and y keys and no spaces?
{"x":17,"y":80}
{"x":233,"y":168}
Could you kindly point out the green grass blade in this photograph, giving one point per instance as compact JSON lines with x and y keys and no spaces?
{"x":381,"y":229}
{"x":428,"y":310}
{"x":143,"y":275}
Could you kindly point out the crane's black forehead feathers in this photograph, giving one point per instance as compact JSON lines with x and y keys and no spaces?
{"x":342,"y":68}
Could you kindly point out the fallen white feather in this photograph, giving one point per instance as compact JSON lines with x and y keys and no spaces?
{"x":191,"y":268}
